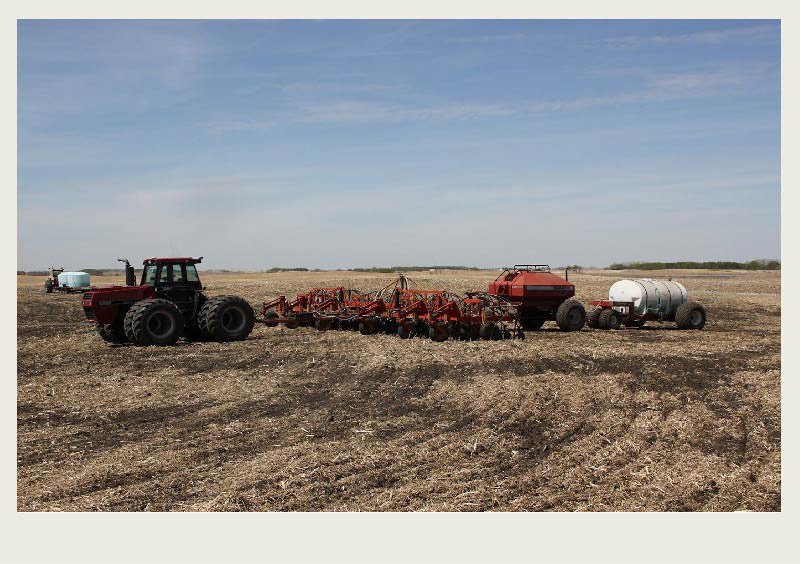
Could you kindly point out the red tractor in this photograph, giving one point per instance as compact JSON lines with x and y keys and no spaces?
{"x":166,"y":305}
{"x":540,"y":296}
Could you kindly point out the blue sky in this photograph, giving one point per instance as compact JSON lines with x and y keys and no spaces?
{"x":371,"y":143}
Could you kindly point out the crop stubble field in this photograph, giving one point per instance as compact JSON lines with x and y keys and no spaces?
{"x":642,"y":420}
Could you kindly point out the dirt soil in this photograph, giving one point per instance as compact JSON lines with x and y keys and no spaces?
{"x":654,"y":419}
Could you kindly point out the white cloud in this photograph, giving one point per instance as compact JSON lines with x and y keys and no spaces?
{"x":755,"y":33}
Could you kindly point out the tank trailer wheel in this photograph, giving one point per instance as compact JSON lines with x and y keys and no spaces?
{"x":593,"y":316}
{"x":226,"y":318}
{"x":691,"y":315}
{"x":609,"y":319}
{"x":153,"y":322}
{"x":438,"y":332}
{"x":571,"y":315}
{"x":271,"y":315}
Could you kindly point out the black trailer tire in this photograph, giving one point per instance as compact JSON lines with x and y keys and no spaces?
{"x":438,"y":332}
{"x":571,"y":315}
{"x":609,"y":319}
{"x":226,"y":318}
{"x":153,"y":322}
{"x":532,"y":323}
{"x":691,"y":315}
{"x":593,"y":317}
{"x":112,"y":333}
{"x":48,"y":286}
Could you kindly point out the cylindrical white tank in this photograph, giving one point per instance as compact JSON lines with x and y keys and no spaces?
{"x":657,"y":297}
{"x":73,"y":279}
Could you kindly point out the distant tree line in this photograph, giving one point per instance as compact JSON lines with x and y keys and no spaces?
{"x":286,"y":269}
{"x":388,"y":269}
{"x":761,"y":264}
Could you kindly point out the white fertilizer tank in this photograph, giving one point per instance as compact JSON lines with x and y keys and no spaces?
{"x":74,"y":279}
{"x":657,"y":297}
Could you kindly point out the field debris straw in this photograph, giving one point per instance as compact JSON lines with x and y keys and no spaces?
{"x":638,"y":420}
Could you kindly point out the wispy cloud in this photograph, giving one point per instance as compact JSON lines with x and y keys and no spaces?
{"x":655,"y":88}
{"x":488,"y":38}
{"x":755,"y":33}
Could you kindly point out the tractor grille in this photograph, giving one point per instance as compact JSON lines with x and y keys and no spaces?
{"x":89,"y":313}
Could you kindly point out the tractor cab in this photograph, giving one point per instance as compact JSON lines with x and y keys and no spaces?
{"x":174,"y":279}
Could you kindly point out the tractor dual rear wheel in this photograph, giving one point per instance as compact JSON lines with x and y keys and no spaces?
{"x":153,"y":322}
{"x":226,"y":318}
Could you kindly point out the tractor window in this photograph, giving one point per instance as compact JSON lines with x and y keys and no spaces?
{"x":191,"y":274}
{"x":163,"y":272}
{"x":149,"y":275}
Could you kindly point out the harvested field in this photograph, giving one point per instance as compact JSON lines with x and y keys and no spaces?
{"x":297,"y":420}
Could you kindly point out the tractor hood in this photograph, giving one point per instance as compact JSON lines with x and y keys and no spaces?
{"x":114,"y":294}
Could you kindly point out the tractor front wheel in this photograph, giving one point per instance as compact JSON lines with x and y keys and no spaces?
{"x":154,"y":322}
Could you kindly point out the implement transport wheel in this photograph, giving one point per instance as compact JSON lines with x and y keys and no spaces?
{"x":404,"y":330}
{"x":593,"y":316}
{"x":571,"y":315}
{"x":690,"y":315}
{"x":390,"y":327}
{"x":438,"y":332}
{"x":609,"y":319}
{"x":491,"y":332}
{"x":226,"y":318}
{"x":323,"y":324}
{"x":154,"y":322}
{"x":271,"y":315}
{"x":112,"y":332}
{"x":292,"y":323}
{"x":368,"y":326}
{"x":532,"y":323}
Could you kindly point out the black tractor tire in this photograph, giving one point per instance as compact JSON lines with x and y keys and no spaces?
{"x":404,"y":330}
{"x":112,"y":333}
{"x":609,"y":319}
{"x":571,"y":315}
{"x":226,"y":318}
{"x":438,"y":332}
{"x":48,"y":286}
{"x":154,"y":322}
{"x":691,"y":315}
{"x":269,"y":316}
{"x":491,"y":332}
{"x":593,"y":316}
{"x":532,"y":323}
